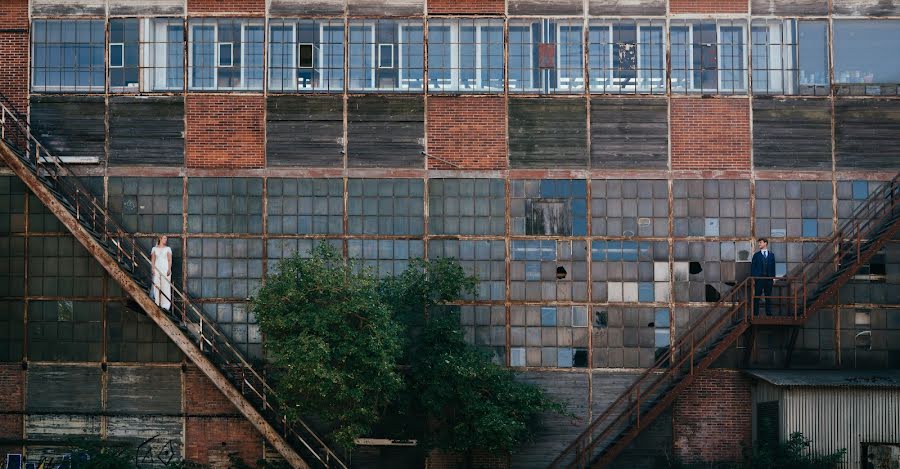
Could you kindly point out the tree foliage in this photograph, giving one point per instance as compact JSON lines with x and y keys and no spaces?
{"x":334,"y":343}
{"x":389,"y":353}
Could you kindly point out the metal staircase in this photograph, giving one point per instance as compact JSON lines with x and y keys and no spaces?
{"x":805,"y":290}
{"x":116,"y":250}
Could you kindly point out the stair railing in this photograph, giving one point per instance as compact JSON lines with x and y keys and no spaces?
{"x":119,"y":243}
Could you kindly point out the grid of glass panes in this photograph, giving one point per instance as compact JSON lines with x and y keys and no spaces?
{"x":548,"y":336}
{"x":789,"y":57}
{"x":864,"y":62}
{"x":851,"y":195}
{"x":225,"y":205}
{"x":133,"y":337}
{"x":146,"y":244}
{"x":60,"y":266}
{"x":306,"y":55}
{"x":305,"y":206}
{"x":68,"y":55}
{"x":386,"y":55}
{"x":467,"y":206}
{"x":12,"y":330}
{"x":224,"y":268}
{"x":705,"y":271}
{"x":484,"y":326}
{"x":629,"y":207}
{"x":789,"y":256}
{"x":162,"y":50}
{"x":553,"y":207}
{"x":41,"y":219}
{"x":630,"y":271}
{"x":12,"y":266}
{"x":546,"y":56}
{"x":709,"y":207}
{"x":626,"y":337}
{"x":225,"y":54}
{"x":124,"y":55}
{"x":877,"y":281}
{"x":627,"y":56}
{"x":708,"y":56}
{"x":147,"y":205}
{"x":484,"y":259}
{"x":386,"y":206}
{"x":548,"y":270}
{"x":12,"y":205}
{"x":465,"y":55}
{"x":283,"y":248}
{"x":385,"y":256}
{"x":794,"y":209}
{"x":239,"y":324}
{"x":65,"y":330}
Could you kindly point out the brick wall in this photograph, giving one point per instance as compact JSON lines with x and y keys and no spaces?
{"x":14,"y":51}
{"x":225,"y":131}
{"x":712,"y":418}
{"x":708,"y":6}
{"x":211,"y":440}
{"x":12,"y":378}
{"x":710,"y":133}
{"x":462,"y":7}
{"x":223,"y":7}
{"x":440,"y":460}
{"x":468,"y":131}
{"x":201,"y":397}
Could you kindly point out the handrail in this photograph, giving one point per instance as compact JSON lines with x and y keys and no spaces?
{"x":679,"y":360}
{"x":16,"y":131}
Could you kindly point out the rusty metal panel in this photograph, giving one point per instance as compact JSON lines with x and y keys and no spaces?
{"x":627,"y":7}
{"x":305,"y":7}
{"x":866,"y":7}
{"x":386,"y":7}
{"x":146,"y":7}
{"x":142,"y":389}
{"x":546,"y":55}
{"x":63,"y":388}
{"x":68,"y":8}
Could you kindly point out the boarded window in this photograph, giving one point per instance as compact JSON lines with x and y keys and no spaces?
{"x":767,"y":425}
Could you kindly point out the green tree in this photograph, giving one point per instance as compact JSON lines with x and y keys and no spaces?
{"x":333,"y":341}
{"x":360,"y":351}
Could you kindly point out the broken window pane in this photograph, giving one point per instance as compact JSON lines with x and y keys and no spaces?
{"x":627,"y":56}
{"x":709,"y":56}
{"x":546,"y":56}
{"x":306,"y":55}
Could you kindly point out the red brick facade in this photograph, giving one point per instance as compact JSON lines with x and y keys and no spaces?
{"x":709,"y":6}
{"x":463,"y":7}
{"x":226,"y":7}
{"x":201,"y":397}
{"x":440,"y":460}
{"x":12,"y":379}
{"x":225,"y":131}
{"x":212,"y":441}
{"x":712,"y":418}
{"x":14,"y":51}
{"x":710,"y":133}
{"x":469,"y":132}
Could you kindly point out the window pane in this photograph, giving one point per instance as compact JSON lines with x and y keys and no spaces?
{"x":546,"y":56}
{"x":627,"y":57}
{"x":226,"y":54}
{"x":387,"y":55}
{"x":709,"y":57}
{"x":465,"y":55}
{"x":164,"y":54}
{"x":813,"y":52}
{"x":203,"y":55}
{"x":865,"y":53}
{"x":69,"y":55}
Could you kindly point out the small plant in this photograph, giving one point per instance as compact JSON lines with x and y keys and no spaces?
{"x":792,"y":454}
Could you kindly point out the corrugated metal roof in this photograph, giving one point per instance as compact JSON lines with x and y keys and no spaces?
{"x":830,"y":378}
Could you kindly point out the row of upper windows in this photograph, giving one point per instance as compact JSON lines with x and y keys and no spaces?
{"x":463,"y":55}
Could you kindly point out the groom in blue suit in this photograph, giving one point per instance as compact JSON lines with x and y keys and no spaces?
{"x":762,"y":265}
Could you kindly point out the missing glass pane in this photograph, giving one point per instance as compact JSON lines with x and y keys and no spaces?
{"x":305,"y":56}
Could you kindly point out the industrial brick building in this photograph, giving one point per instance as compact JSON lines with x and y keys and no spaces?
{"x":603,"y":166}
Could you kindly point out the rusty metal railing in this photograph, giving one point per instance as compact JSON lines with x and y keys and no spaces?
{"x":793,"y":297}
{"x":122,"y":246}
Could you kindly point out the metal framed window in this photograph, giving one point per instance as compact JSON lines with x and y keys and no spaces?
{"x":386,"y":55}
{"x":162,"y":54}
{"x":306,"y":55}
{"x":465,"y":55}
{"x":709,"y":57}
{"x":627,"y":57}
{"x":546,"y":56}
{"x":68,"y":55}
{"x":225,"y":54}
{"x":789,"y":57}
{"x":865,"y":59}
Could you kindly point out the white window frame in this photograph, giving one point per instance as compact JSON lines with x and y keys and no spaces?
{"x":230,"y":55}
{"x":244,"y":55}
{"x":155,"y":35}
{"x":215,"y":68}
{"x":453,"y":84}
{"x":313,"y":55}
{"x":403,"y":79}
{"x":559,"y":69}
{"x":610,"y":74}
{"x":321,"y":70}
{"x":529,"y":27}
{"x":121,"y":54}
{"x":640,"y":54}
{"x":744,"y":53}
{"x":380,"y":48}
{"x":372,"y":48}
{"x":689,"y":65}
{"x":294,"y":81}
{"x":783,"y":75}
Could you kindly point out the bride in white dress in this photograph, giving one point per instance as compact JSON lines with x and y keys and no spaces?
{"x":161,"y":257}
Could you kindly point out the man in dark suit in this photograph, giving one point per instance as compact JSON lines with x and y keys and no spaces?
{"x":762,"y":265}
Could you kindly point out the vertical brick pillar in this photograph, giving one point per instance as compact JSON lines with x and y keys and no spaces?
{"x":12,"y":402}
{"x":709,"y":6}
{"x":213,"y":428}
{"x":467,"y":131}
{"x":225,"y":131}
{"x":226,"y":7}
{"x":14,"y":67}
{"x":710,"y":133}
{"x":712,"y":418}
{"x":464,"y":7}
